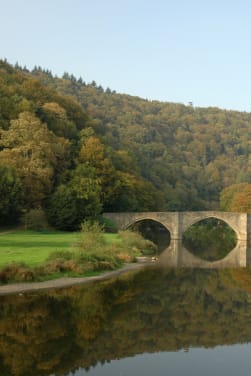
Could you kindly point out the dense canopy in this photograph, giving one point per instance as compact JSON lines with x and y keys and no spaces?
{"x":66,"y":141}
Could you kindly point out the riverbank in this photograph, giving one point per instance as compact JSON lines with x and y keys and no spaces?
{"x":30,"y":256}
{"x":21,"y":288}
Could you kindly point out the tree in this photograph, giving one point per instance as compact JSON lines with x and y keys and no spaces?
{"x":131,"y":193}
{"x":56,"y":119}
{"x":11,"y":196}
{"x":30,"y":148}
{"x":92,"y":154}
{"x":76,"y":201}
{"x":231,"y":198}
{"x":241,"y":201}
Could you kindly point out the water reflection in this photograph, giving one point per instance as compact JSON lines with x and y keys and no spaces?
{"x":224,"y":360}
{"x":155,"y":310}
{"x":178,"y":256}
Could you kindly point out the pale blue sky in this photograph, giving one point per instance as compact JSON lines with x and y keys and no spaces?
{"x":174,"y":51}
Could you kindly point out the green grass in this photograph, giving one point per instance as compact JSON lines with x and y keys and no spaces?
{"x":33,"y":248}
{"x":35,"y":256}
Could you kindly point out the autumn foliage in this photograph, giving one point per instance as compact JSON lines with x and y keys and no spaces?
{"x":75,"y":150}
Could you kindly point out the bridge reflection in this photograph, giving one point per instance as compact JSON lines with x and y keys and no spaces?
{"x":176,"y":255}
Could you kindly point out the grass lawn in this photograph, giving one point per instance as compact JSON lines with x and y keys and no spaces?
{"x":33,"y":248}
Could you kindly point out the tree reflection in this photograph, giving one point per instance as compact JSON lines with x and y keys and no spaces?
{"x":147,"y":311}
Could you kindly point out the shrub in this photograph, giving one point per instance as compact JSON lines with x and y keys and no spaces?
{"x":16,"y":272}
{"x":107,"y":224}
{"x":91,"y":247}
{"x":25,"y":274}
{"x":90,"y":237}
{"x":35,"y":219}
{"x":131,"y":239}
{"x":65,"y":255}
{"x":62,"y":266}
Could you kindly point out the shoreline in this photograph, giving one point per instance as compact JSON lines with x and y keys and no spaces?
{"x":64,"y":282}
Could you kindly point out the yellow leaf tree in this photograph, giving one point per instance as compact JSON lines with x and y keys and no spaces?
{"x":33,"y":151}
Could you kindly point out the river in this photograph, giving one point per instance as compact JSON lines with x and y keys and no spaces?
{"x":156,"y":321}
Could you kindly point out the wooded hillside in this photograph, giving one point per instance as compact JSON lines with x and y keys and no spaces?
{"x":75,"y":149}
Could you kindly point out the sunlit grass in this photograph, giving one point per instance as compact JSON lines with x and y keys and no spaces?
{"x":34,"y":256}
{"x":33,"y":248}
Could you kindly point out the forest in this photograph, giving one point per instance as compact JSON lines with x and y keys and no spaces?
{"x":70,"y":150}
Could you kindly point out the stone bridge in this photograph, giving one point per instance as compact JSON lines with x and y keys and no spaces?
{"x":178,"y":222}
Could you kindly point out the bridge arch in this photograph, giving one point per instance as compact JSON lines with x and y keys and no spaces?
{"x":138,"y":220}
{"x":154,"y":231}
{"x":236,"y":222}
{"x":169,"y":220}
{"x":210,"y":239}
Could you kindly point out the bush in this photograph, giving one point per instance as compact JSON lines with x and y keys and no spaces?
{"x":16,"y":272}
{"x":131,"y":239}
{"x":107,"y":224}
{"x":35,"y":219}
{"x":64,"y":255}
{"x":62,"y":266}
{"x":92,"y":248}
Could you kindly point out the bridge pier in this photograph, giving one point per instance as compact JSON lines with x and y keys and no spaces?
{"x":172,"y":255}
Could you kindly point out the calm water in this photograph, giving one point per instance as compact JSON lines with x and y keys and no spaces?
{"x":224,"y":360}
{"x":152,"y":322}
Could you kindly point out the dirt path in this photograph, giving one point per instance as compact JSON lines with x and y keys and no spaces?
{"x":20,"y":288}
